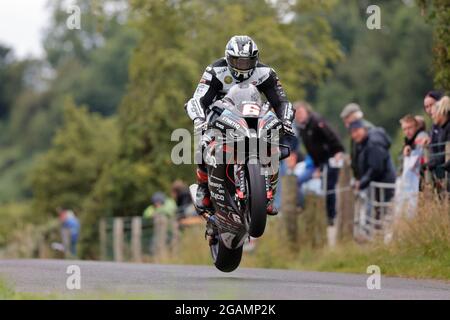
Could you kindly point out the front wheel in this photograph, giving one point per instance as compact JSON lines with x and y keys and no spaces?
{"x":257,"y":200}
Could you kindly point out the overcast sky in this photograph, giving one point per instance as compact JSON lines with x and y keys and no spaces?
{"x":21,"y":24}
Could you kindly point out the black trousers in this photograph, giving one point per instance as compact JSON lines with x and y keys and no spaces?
{"x":332,"y":176}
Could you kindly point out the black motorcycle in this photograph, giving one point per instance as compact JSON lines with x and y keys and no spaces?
{"x":241,"y":152}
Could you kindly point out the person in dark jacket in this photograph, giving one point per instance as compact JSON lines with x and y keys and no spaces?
{"x":374,"y":160}
{"x":441,"y":119}
{"x":350,"y":113}
{"x":322,"y":144}
{"x":429,"y":102}
{"x":182,"y":196}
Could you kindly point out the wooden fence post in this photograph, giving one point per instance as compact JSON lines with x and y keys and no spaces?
{"x":66,"y":242}
{"x":160,"y":236}
{"x":175,"y":236}
{"x":42,"y":249}
{"x":118,"y":239}
{"x":103,"y":238}
{"x":313,"y":222}
{"x":136,"y":233}
{"x":289,"y":209}
{"x":345,"y":203}
{"x":428,"y":178}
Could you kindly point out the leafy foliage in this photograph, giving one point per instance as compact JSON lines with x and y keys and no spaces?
{"x":386,"y":71}
{"x":65,"y":175}
{"x":438,"y":14}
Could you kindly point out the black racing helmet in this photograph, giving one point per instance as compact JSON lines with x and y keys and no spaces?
{"x":242,"y":56}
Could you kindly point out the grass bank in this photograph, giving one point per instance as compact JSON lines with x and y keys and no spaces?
{"x":7,"y":292}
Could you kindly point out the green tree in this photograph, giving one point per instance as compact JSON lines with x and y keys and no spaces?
{"x":94,"y":73}
{"x":81,"y":148}
{"x":11,"y":79}
{"x":438,"y":15}
{"x":91,"y":63}
{"x":386,"y":71}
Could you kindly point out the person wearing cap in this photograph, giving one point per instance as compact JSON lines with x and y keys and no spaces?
{"x":160,"y":205}
{"x":374,"y":160}
{"x":322,"y":144}
{"x":350,"y":113}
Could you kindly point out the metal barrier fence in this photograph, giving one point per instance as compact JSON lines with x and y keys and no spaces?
{"x":374,"y":210}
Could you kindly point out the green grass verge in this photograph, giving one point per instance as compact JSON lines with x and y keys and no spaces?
{"x":7,"y":292}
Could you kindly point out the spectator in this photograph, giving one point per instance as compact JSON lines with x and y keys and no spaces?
{"x":421,"y":123}
{"x":287,"y":165}
{"x":304,"y":171}
{"x":160,"y":205}
{"x":70,"y":229}
{"x":415,"y":135}
{"x":321,"y":143}
{"x":430,"y":100}
{"x":441,"y":119}
{"x":409,"y":181}
{"x":350,"y":113}
{"x":180,"y":192}
{"x":374,"y":161}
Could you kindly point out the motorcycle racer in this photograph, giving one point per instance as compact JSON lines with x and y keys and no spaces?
{"x":240,"y":65}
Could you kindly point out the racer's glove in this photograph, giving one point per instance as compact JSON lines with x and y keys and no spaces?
{"x":200,"y":125}
{"x":287,"y":128}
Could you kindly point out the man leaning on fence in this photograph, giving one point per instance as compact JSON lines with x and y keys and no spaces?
{"x":350,"y":113}
{"x":374,"y":161}
{"x":322,"y":144}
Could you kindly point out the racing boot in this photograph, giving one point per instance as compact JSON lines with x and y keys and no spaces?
{"x":271,"y":209}
{"x":211,"y":233}
{"x":203,"y":197}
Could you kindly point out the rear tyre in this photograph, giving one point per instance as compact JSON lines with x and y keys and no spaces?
{"x":226,"y":260}
{"x":257,"y":200}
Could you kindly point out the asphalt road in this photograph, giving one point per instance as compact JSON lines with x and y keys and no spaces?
{"x":108,"y":279}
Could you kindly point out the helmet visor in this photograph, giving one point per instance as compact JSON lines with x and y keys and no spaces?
{"x":242,"y":63}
